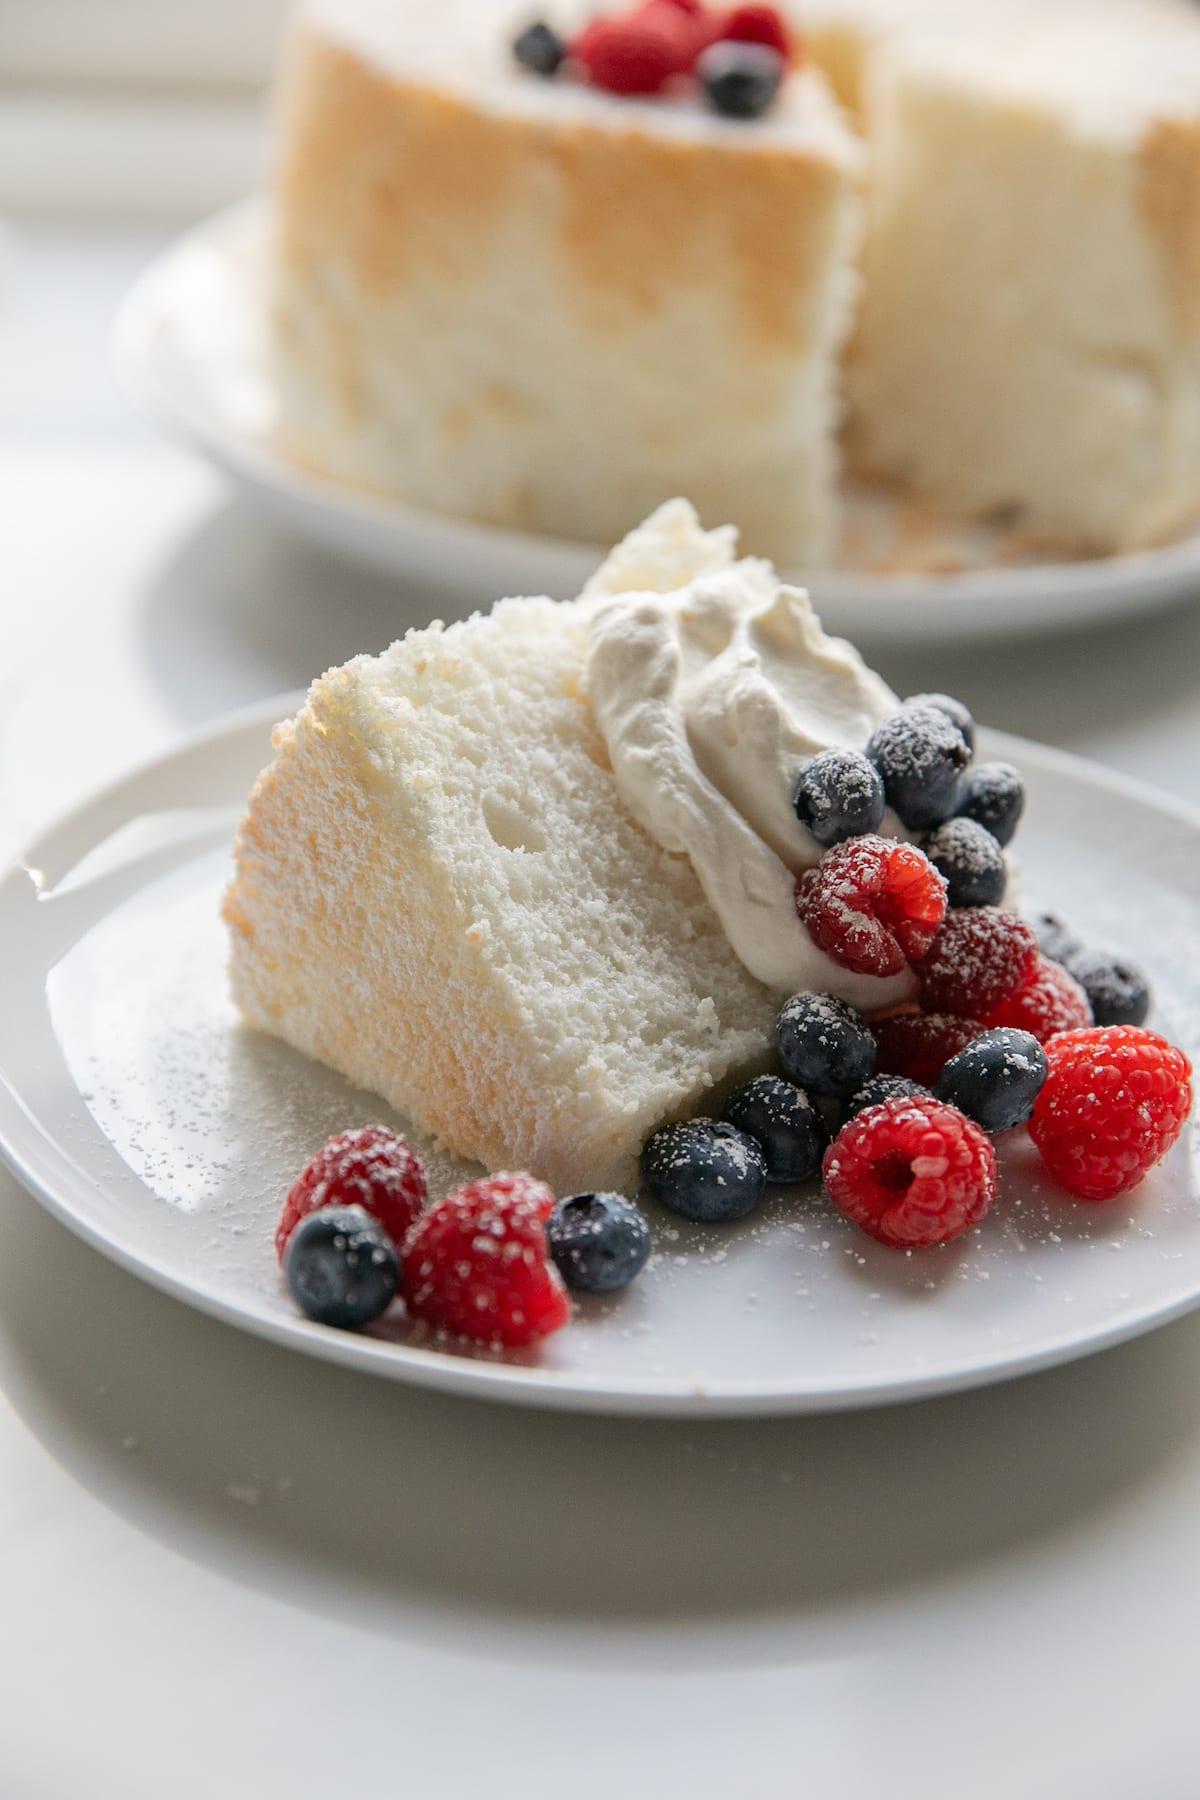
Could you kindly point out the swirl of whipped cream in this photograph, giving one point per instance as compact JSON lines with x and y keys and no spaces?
{"x":711,"y":699}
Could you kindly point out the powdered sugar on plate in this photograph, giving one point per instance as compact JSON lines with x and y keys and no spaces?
{"x":155,"y":1124}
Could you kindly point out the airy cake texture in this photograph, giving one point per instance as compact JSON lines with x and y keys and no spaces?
{"x":844,"y":36}
{"x":544,"y":306}
{"x":1029,"y":334}
{"x":439,"y":892}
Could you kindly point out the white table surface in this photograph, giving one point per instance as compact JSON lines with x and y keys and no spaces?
{"x":228,"y":1572}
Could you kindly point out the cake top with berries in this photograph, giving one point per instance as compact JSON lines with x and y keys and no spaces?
{"x":470,"y":51}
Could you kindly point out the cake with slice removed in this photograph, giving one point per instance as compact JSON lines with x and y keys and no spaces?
{"x":542,"y":305}
{"x":534,"y":301}
{"x":440,"y":891}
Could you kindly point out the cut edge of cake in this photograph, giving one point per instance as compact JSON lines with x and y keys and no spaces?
{"x":559,"y":985}
{"x":1028,"y":339}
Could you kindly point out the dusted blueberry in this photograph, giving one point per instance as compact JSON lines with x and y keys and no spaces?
{"x":1118,"y":990}
{"x":921,"y":755}
{"x":740,"y":79}
{"x":971,"y":860}
{"x":1055,"y":938}
{"x":705,"y":1169}
{"x":784,"y":1124}
{"x":879,"y":1089}
{"x":341,"y":1267}
{"x":996,"y":1079}
{"x":839,"y":795}
{"x":824,"y":1045}
{"x":598,"y":1241}
{"x":540,"y":49}
{"x":955,"y":711}
{"x":993,"y":794}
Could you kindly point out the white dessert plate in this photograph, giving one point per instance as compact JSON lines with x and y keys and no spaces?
{"x":134,"y":1105}
{"x":188,"y":344}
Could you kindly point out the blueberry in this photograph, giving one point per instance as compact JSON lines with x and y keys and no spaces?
{"x":741,"y":80}
{"x":784,"y":1124}
{"x":879,"y":1089}
{"x":599,"y":1241}
{"x":955,"y":711}
{"x":824,"y":1045}
{"x":540,"y":49}
{"x":839,"y":795}
{"x":971,"y":860}
{"x":996,"y":1079}
{"x":1056,"y":938}
{"x":921,"y":755}
{"x":705,"y":1169}
{"x":1118,"y":990}
{"x":993,"y":794}
{"x":341,"y":1267}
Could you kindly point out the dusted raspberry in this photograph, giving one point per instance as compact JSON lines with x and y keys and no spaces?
{"x":920,"y":1045}
{"x":873,"y":905}
{"x":912,"y":1172}
{"x":756,"y":25}
{"x":1114,"y":1102}
{"x":1048,"y":1000}
{"x":637,"y":54}
{"x":372,"y":1167}
{"x":980,"y":956}
{"x":478,"y":1264}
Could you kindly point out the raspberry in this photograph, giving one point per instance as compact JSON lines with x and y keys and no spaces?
{"x":1048,"y":1000}
{"x":639,"y":53}
{"x":688,"y":27}
{"x":756,"y":25}
{"x":980,"y":956}
{"x":873,"y":905}
{"x":372,"y":1167}
{"x":1114,"y":1102}
{"x":911,"y":1172}
{"x":920,"y":1045}
{"x":478,"y":1264}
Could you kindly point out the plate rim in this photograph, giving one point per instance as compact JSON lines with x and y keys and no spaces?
{"x":1072,"y":594}
{"x":35,"y":1157}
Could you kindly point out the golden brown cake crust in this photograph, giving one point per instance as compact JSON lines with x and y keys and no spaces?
{"x":1169,"y":191}
{"x":349,"y":128}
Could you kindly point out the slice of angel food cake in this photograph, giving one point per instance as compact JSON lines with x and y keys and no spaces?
{"x":659,"y":885}
{"x":533,"y":877}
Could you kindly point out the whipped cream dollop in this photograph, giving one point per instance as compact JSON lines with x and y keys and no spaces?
{"x":712,"y":697}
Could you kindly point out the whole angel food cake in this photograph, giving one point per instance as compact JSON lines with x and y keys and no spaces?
{"x":544,"y":273}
